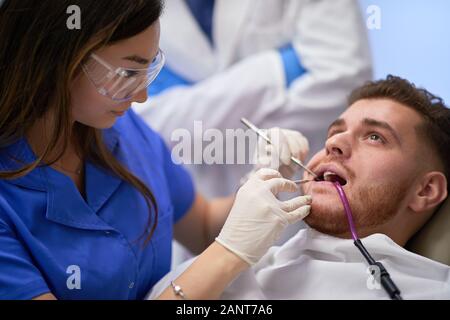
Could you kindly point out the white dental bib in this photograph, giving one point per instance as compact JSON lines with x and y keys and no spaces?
{"x":313,"y":265}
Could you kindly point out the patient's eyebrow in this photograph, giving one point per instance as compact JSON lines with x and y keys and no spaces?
{"x":137,"y":59}
{"x":382,"y":124}
{"x":336,"y":123}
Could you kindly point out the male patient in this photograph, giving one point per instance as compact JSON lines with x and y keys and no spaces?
{"x":391,"y":152}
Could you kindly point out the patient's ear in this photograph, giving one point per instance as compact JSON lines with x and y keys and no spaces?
{"x":430,"y":192}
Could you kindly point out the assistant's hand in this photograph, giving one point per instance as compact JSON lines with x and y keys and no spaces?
{"x":285,"y":144}
{"x":257,"y":217}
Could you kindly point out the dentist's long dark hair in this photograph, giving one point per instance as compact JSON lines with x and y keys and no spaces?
{"x":40,"y":57}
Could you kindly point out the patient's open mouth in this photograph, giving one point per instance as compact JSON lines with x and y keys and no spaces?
{"x":331,"y":176}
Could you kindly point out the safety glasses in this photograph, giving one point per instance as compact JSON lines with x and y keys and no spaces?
{"x":121,"y":84}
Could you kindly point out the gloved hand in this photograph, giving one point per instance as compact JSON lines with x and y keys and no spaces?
{"x":257,"y":217}
{"x":285,"y":143}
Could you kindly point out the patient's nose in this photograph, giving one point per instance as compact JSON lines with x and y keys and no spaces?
{"x":338,"y":146}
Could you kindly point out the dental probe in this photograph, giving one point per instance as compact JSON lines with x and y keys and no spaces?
{"x":302,"y":181}
{"x":261,"y":133}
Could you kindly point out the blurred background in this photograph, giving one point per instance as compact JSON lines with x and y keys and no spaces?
{"x":413,"y":42}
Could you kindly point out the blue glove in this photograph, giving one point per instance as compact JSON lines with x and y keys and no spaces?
{"x":166,"y":79}
{"x":292,"y":65}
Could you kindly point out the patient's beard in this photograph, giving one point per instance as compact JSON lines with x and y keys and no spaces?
{"x":372,"y":206}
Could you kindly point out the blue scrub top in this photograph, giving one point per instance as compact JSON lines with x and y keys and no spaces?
{"x":53,"y":240}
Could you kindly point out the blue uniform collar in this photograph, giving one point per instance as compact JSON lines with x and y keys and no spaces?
{"x":65,"y":205}
{"x":21,"y":151}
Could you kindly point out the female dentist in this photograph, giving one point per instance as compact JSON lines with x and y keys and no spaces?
{"x":89,"y":196}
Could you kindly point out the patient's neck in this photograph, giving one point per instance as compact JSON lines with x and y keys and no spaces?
{"x":400,"y":235}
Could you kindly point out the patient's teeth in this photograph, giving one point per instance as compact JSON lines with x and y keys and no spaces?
{"x":331,"y":176}
{"x":327,"y":175}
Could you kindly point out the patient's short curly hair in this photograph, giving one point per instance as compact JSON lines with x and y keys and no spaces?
{"x":436,"y":115}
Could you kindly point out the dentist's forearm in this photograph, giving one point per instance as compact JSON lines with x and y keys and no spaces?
{"x":208,"y":276}
{"x":200,"y":226}
{"x":218,"y":210}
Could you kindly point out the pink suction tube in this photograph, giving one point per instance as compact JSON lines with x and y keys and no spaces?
{"x":347,"y":209}
{"x":385,"y":279}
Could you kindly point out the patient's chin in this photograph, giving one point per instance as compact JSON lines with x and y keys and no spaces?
{"x":327,"y":211}
{"x":328,"y":216}
{"x":372,"y":206}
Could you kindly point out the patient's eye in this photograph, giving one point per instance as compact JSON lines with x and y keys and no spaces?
{"x":376,"y":138}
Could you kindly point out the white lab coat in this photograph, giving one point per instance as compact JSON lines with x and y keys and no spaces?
{"x":243,"y":75}
{"x":313,"y":265}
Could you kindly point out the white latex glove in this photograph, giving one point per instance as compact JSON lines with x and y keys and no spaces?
{"x":257,"y":217}
{"x":285,"y":143}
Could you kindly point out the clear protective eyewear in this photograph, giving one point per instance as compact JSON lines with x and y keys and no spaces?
{"x":121,"y":84}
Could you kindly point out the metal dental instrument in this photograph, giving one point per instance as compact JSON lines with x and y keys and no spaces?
{"x":261,"y":133}
{"x":302,"y":181}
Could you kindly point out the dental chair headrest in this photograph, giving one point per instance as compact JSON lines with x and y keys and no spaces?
{"x":433,"y":240}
